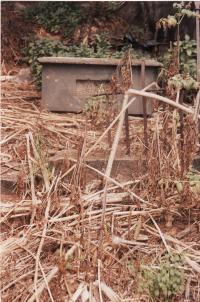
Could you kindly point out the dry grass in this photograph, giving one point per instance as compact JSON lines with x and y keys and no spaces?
{"x":51,"y":246}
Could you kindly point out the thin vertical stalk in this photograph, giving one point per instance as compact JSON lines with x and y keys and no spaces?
{"x":144,"y":104}
{"x":197,"y":4}
{"x":178,"y":44}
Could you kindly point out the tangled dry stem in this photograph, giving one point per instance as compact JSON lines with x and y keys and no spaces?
{"x":51,"y":232}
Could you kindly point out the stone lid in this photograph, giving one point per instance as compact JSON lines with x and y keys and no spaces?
{"x":93,"y":61}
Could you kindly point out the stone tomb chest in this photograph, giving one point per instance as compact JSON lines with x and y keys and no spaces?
{"x":67,"y":83}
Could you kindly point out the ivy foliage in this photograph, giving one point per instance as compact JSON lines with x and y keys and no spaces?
{"x":42,"y":48}
{"x":62,"y":17}
{"x":46,"y":47}
{"x":183,"y":82}
{"x":56,"y":17}
{"x":188,"y":51}
{"x":186,"y":78}
{"x":102,"y":49}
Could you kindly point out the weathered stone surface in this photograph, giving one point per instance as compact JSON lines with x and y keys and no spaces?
{"x":8,"y":182}
{"x":124,"y":168}
{"x":67,"y":83}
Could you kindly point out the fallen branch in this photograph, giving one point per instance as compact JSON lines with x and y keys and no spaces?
{"x":154,"y":96}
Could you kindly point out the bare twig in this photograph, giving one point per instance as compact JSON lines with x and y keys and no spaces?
{"x":34,"y":199}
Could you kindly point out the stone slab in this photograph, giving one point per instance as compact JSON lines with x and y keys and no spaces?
{"x":68,"y":83}
{"x":124,"y":167}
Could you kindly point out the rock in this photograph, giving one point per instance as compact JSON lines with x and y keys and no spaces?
{"x":24,"y":76}
{"x":196,"y":164}
{"x":9,"y":182}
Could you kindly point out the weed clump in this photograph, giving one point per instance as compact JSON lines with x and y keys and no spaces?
{"x":166,"y":282}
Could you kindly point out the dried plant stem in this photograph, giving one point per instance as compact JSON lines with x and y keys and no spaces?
{"x":34,"y":199}
{"x":110,"y":164}
{"x":42,"y":241}
{"x":16,"y":280}
{"x":99,"y":280}
{"x":52,"y":274}
{"x":112,"y":296}
{"x":12,"y":136}
{"x":175,"y":143}
{"x":118,"y":116}
{"x":158,"y":142}
{"x":77,"y":293}
{"x":67,"y":231}
{"x":132,"y":194}
{"x":163,"y":99}
{"x":41,"y":164}
{"x":177,"y":96}
{"x":42,"y":270}
{"x":40,"y":289}
{"x":161,"y":234}
{"x":110,"y":126}
{"x":39,"y":252}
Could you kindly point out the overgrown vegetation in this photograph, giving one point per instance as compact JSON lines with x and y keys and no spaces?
{"x":188,"y":51}
{"x":46,"y":47}
{"x":56,"y":17}
{"x":186,"y":78}
{"x":41,"y":48}
{"x":165,"y":282}
{"x":183,"y":53}
{"x":61,"y":17}
{"x":181,"y":10}
{"x":95,"y":109}
{"x":184,"y":81}
{"x":101,"y":49}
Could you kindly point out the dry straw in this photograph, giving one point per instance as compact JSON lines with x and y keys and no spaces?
{"x":64,"y":242}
